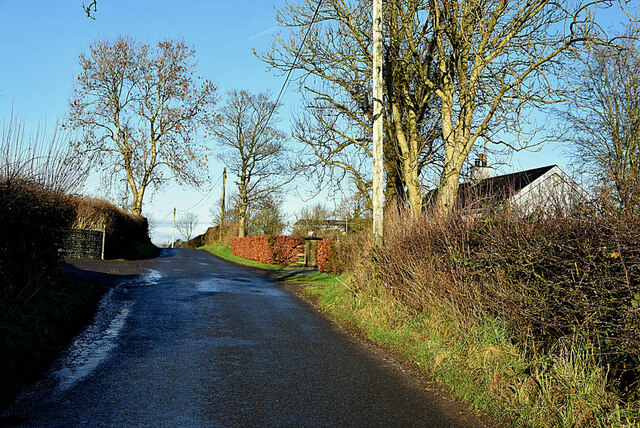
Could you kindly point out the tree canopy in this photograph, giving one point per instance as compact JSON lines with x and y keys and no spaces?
{"x":458,"y":73}
{"x":253,"y":150}
{"x":602,"y":118}
{"x":137,"y":109}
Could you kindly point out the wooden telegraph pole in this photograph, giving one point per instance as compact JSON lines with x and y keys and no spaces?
{"x":224,"y":185}
{"x":173,"y":230}
{"x":377,"y":124}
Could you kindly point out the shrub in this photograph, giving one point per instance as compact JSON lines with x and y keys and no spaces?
{"x":127,"y":235}
{"x":325,"y":254}
{"x":35,"y":178}
{"x":31,"y":233}
{"x":193,"y":243}
{"x":267,"y":249}
{"x":351,"y":249}
{"x":221,"y":234}
{"x":545,"y":278}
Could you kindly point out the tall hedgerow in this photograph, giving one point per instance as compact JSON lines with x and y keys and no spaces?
{"x":36,"y":176}
{"x":534,"y":319}
{"x":127,"y":235}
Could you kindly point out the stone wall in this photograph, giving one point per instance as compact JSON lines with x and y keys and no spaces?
{"x":83,"y":244}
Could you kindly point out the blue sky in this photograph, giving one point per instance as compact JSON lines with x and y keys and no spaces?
{"x":40,"y":41}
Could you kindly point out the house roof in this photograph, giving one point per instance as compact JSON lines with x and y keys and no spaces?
{"x":494,"y":189}
{"x":321,"y":223}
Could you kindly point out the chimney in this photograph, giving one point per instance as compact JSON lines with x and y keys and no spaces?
{"x":480,"y":171}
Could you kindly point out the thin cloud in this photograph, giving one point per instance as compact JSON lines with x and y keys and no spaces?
{"x":250,"y":38}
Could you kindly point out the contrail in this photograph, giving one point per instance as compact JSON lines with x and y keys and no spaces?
{"x":253,"y":37}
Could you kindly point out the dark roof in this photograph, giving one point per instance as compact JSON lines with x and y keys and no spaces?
{"x":494,"y":189}
{"x":320,"y":223}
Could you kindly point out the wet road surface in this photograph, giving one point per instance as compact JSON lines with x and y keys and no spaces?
{"x":198,"y":341}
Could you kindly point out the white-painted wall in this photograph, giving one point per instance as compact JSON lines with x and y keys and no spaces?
{"x":551,"y":192}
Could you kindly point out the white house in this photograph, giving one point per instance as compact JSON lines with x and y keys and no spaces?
{"x":547,"y":189}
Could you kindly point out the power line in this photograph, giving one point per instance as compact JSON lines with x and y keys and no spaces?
{"x":204,"y":197}
{"x":282,"y":89}
{"x":293,"y":64}
{"x":167,"y":215}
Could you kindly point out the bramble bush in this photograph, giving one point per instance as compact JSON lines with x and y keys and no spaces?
{"x":35,"y":178}
{"x":31,"y":233}
{"x":537,"y":318}
{"x":545,"y":277}
{"x":344,"y":253}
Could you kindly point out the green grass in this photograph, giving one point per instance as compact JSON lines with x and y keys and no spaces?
{"x":478,"y":361}
{"x":31,"y":334}
{"x":224,"y":252}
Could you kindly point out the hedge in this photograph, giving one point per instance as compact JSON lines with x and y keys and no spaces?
{"x":325,"y":251}
{"x":127,"y":235}
{"x":267,"y":249}
{"x":34,"y":219}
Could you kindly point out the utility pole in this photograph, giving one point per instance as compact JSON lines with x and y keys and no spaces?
{"x":173,"y":230}
{"x":224,"y":185}
{"x":377,"y":124}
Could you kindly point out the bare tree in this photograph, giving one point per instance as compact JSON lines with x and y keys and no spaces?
{"x":267,"y":217}
{"x":496,"y":60}
{"x":603,"y":118}
{"x":334,"y":71}
{"x":488,"y":63}
{"x":263,"y":215}
{"x":230,"y":210}
{"x":187,"y":224}
{"x":255,"y":153}
{"x":137,"y":109}
{"x":312,"y":218}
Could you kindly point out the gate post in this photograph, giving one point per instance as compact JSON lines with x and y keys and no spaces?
{"x":311,"y":251}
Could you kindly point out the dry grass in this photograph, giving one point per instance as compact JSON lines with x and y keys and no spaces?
{"x":36,"y":177}
{"x":127,"y":235}
{"x":529,"y":319}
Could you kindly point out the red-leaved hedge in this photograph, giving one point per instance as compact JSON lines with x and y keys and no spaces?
{"x":267,"y":249}
{"x":325,"y":251}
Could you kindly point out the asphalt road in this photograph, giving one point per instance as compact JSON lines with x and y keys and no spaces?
{"x":198,"y":341}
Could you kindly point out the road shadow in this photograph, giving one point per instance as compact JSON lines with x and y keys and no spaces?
{"x":101,"y":273}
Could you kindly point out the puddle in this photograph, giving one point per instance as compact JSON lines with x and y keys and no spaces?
{"x":95,"y":344}
{"x":235,"y":287}
{"x":152,"y":277}
{"x":90,"y":348}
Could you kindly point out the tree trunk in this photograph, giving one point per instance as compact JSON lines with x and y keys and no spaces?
{"x":456,"y":153}
{"x":448,"y":190}
{"x":457,"y":147}
{"x":136,"y":205}
{"x":414,"y":189}
{"x":394,"y":194}
{"x":242,"y":221}
{"x":242,"y":213}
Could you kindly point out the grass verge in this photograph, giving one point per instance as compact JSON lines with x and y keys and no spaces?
{"x":477,"y":361}
{"x":224,"y":252}
{"x":31,"y":334}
